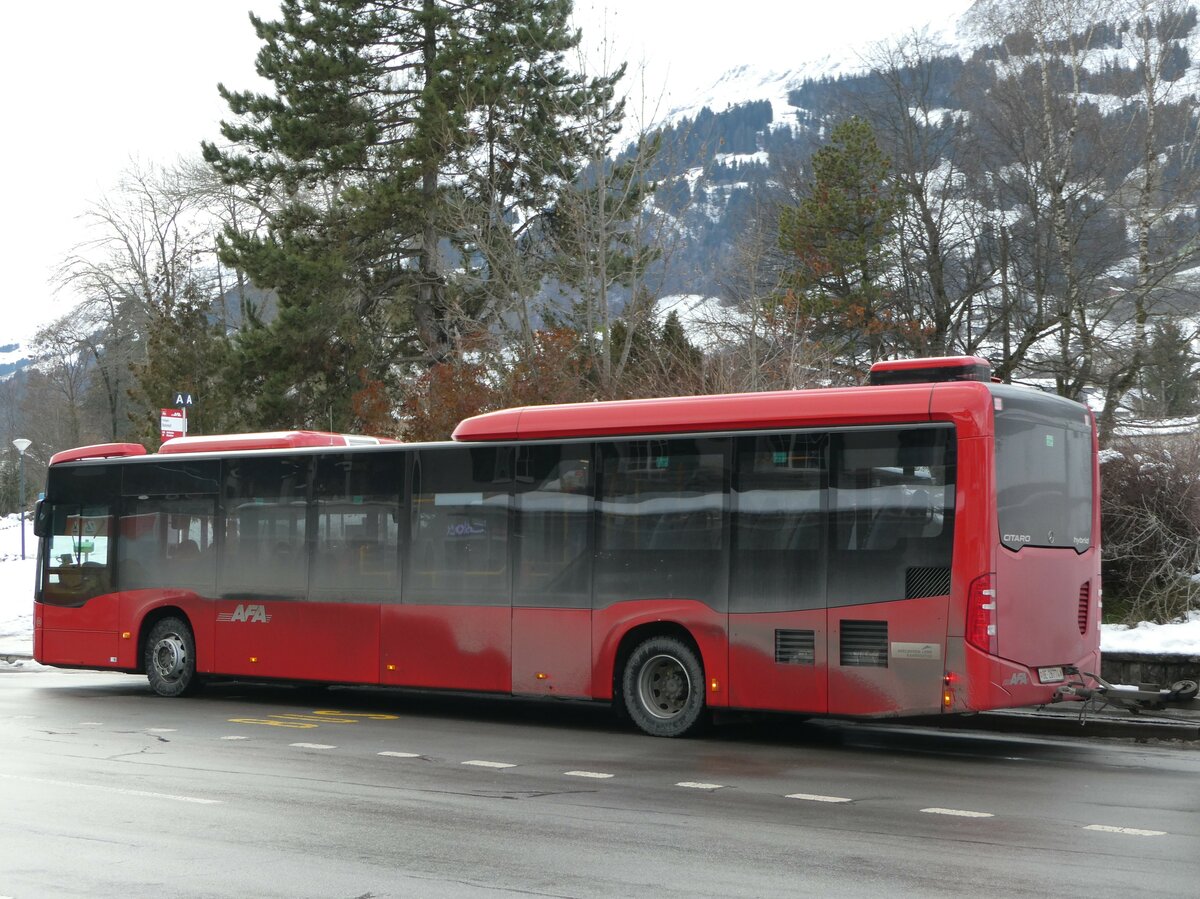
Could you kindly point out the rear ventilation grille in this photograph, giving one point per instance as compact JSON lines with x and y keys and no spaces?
{"x":1084,"y":595}
{"x":864,"y":644}
{"x":921,"y":582}
{"x":795,"y":647}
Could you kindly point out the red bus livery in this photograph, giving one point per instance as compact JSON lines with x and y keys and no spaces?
{"x":926,"y":544}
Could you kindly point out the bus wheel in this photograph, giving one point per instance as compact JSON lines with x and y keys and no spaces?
{"x":663,"y":686}
{"x":171,"y":658}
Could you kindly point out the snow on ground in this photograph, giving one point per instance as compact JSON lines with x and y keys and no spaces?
{"x":16,"y":608}
{"x":1182,"y":638}
{"x":16,"y":587}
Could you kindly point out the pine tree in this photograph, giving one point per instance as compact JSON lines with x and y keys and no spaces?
{"x":1169,"y":376}
{"x":837,"y":240}
{"x":405,"y":151}
{"x":186,"y":350}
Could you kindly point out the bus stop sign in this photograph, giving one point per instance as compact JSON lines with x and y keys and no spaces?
{"x":173,"y":423}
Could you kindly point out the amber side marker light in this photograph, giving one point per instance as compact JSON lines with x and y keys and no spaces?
{"x":126,"y":635}
{"x":714,"y":685}
{"x":948,"y":689}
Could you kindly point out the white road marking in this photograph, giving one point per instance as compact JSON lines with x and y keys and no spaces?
{"x":146,"y":793}
{"x":812,"y":797}
{"x":312,"y":746}
{"x":957,"y":812}
{"x":402,"y":755}
{"x":235,"y":738}
{"x":694,"y":785}
{"x":482,"y":764}
{"x":1132,"y":831}
{"x":596,"y":774}
{"x":161,"y":730}
{"x":90,"y":724}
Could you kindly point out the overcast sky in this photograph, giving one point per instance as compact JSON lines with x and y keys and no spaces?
{"x":90,"y":86}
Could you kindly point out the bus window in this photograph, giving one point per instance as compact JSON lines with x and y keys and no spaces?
{"x":1043,"y":471}
{"x":167,"y":542}
{"x":779,"y":523}
{"x":892,"y":503}
{"x":661,"y":521}
{"x":357,"y":547}
{"x":553,"y":526}
{"x":178,"y":477}
{"x":78,"y":566}
{"x":459,"y":548}
{"x":265,"y":549}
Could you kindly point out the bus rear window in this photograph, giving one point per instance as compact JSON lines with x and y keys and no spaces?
{"x":1043,"y":471}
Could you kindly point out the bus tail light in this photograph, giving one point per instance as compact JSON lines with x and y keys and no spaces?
{"x":981,"y":614}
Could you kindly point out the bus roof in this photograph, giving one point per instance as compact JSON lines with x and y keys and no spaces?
{"x":726,"y":412}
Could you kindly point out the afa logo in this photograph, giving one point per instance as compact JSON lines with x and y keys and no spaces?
{"x":246,"y":612}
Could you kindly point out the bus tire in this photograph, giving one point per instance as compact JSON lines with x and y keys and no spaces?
{"x":170,"y":658}
{"x":663,"y":688}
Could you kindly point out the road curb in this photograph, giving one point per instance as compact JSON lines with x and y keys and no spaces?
{"x":1059,"y":724}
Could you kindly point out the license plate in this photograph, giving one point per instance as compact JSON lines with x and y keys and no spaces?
{"x":1050,"y":675}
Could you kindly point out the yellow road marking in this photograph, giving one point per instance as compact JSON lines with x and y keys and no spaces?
{"x":315,"y":719}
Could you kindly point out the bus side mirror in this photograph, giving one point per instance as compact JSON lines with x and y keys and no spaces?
{"x":41,"y":519}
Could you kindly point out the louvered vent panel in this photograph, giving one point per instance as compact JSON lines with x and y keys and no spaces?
{"x":1085,"y":593}
{"x":795,"y":647}
{"x":864,"y":644}
{"x":921,"y":582}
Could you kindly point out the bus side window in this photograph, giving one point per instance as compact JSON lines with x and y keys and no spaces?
{"x":266,"y":509}
{"x":779,"y":523}
{"x":459,"y":547}
{"x":892,"y":500}
{"x":553,"y":499}
{"x":166,"y":541}
{"x":661,"y":521}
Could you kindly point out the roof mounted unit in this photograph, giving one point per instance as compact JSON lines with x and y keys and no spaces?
{"x":926,"y":371}
{"x":223,"y":443}
{"x":98,"y":451}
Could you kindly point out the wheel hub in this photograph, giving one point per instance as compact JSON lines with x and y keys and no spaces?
{"x":170,"y":657}
{"x":664,"y":687}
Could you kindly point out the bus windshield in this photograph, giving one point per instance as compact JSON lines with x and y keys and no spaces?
{"x":1043,"y":471}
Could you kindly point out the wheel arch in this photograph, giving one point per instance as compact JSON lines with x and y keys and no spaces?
{"x":152,"y":618}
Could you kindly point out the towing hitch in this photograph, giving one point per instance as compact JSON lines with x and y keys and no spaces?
{"x":1143,"y":697}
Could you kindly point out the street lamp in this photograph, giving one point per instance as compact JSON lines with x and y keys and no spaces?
{"x":22,"y":444}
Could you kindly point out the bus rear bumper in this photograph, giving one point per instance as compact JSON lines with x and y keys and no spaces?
{"x":996,"y":683}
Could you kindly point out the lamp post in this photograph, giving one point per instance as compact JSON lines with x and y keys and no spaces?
{"x":22,"y":444}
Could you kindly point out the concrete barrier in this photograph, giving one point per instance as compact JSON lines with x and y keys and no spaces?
{"x":1144,"y":668}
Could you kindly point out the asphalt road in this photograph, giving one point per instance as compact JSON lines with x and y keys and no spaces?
{"x":271,"y":791}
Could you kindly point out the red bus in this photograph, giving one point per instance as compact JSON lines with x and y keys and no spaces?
{"x":928,"y":544}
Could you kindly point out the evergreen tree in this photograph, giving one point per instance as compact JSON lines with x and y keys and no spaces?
{"x":837,"y":241}
{"x":186,"y":349}
{"x":398,"y":137}
{"x":1169,"y":376}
